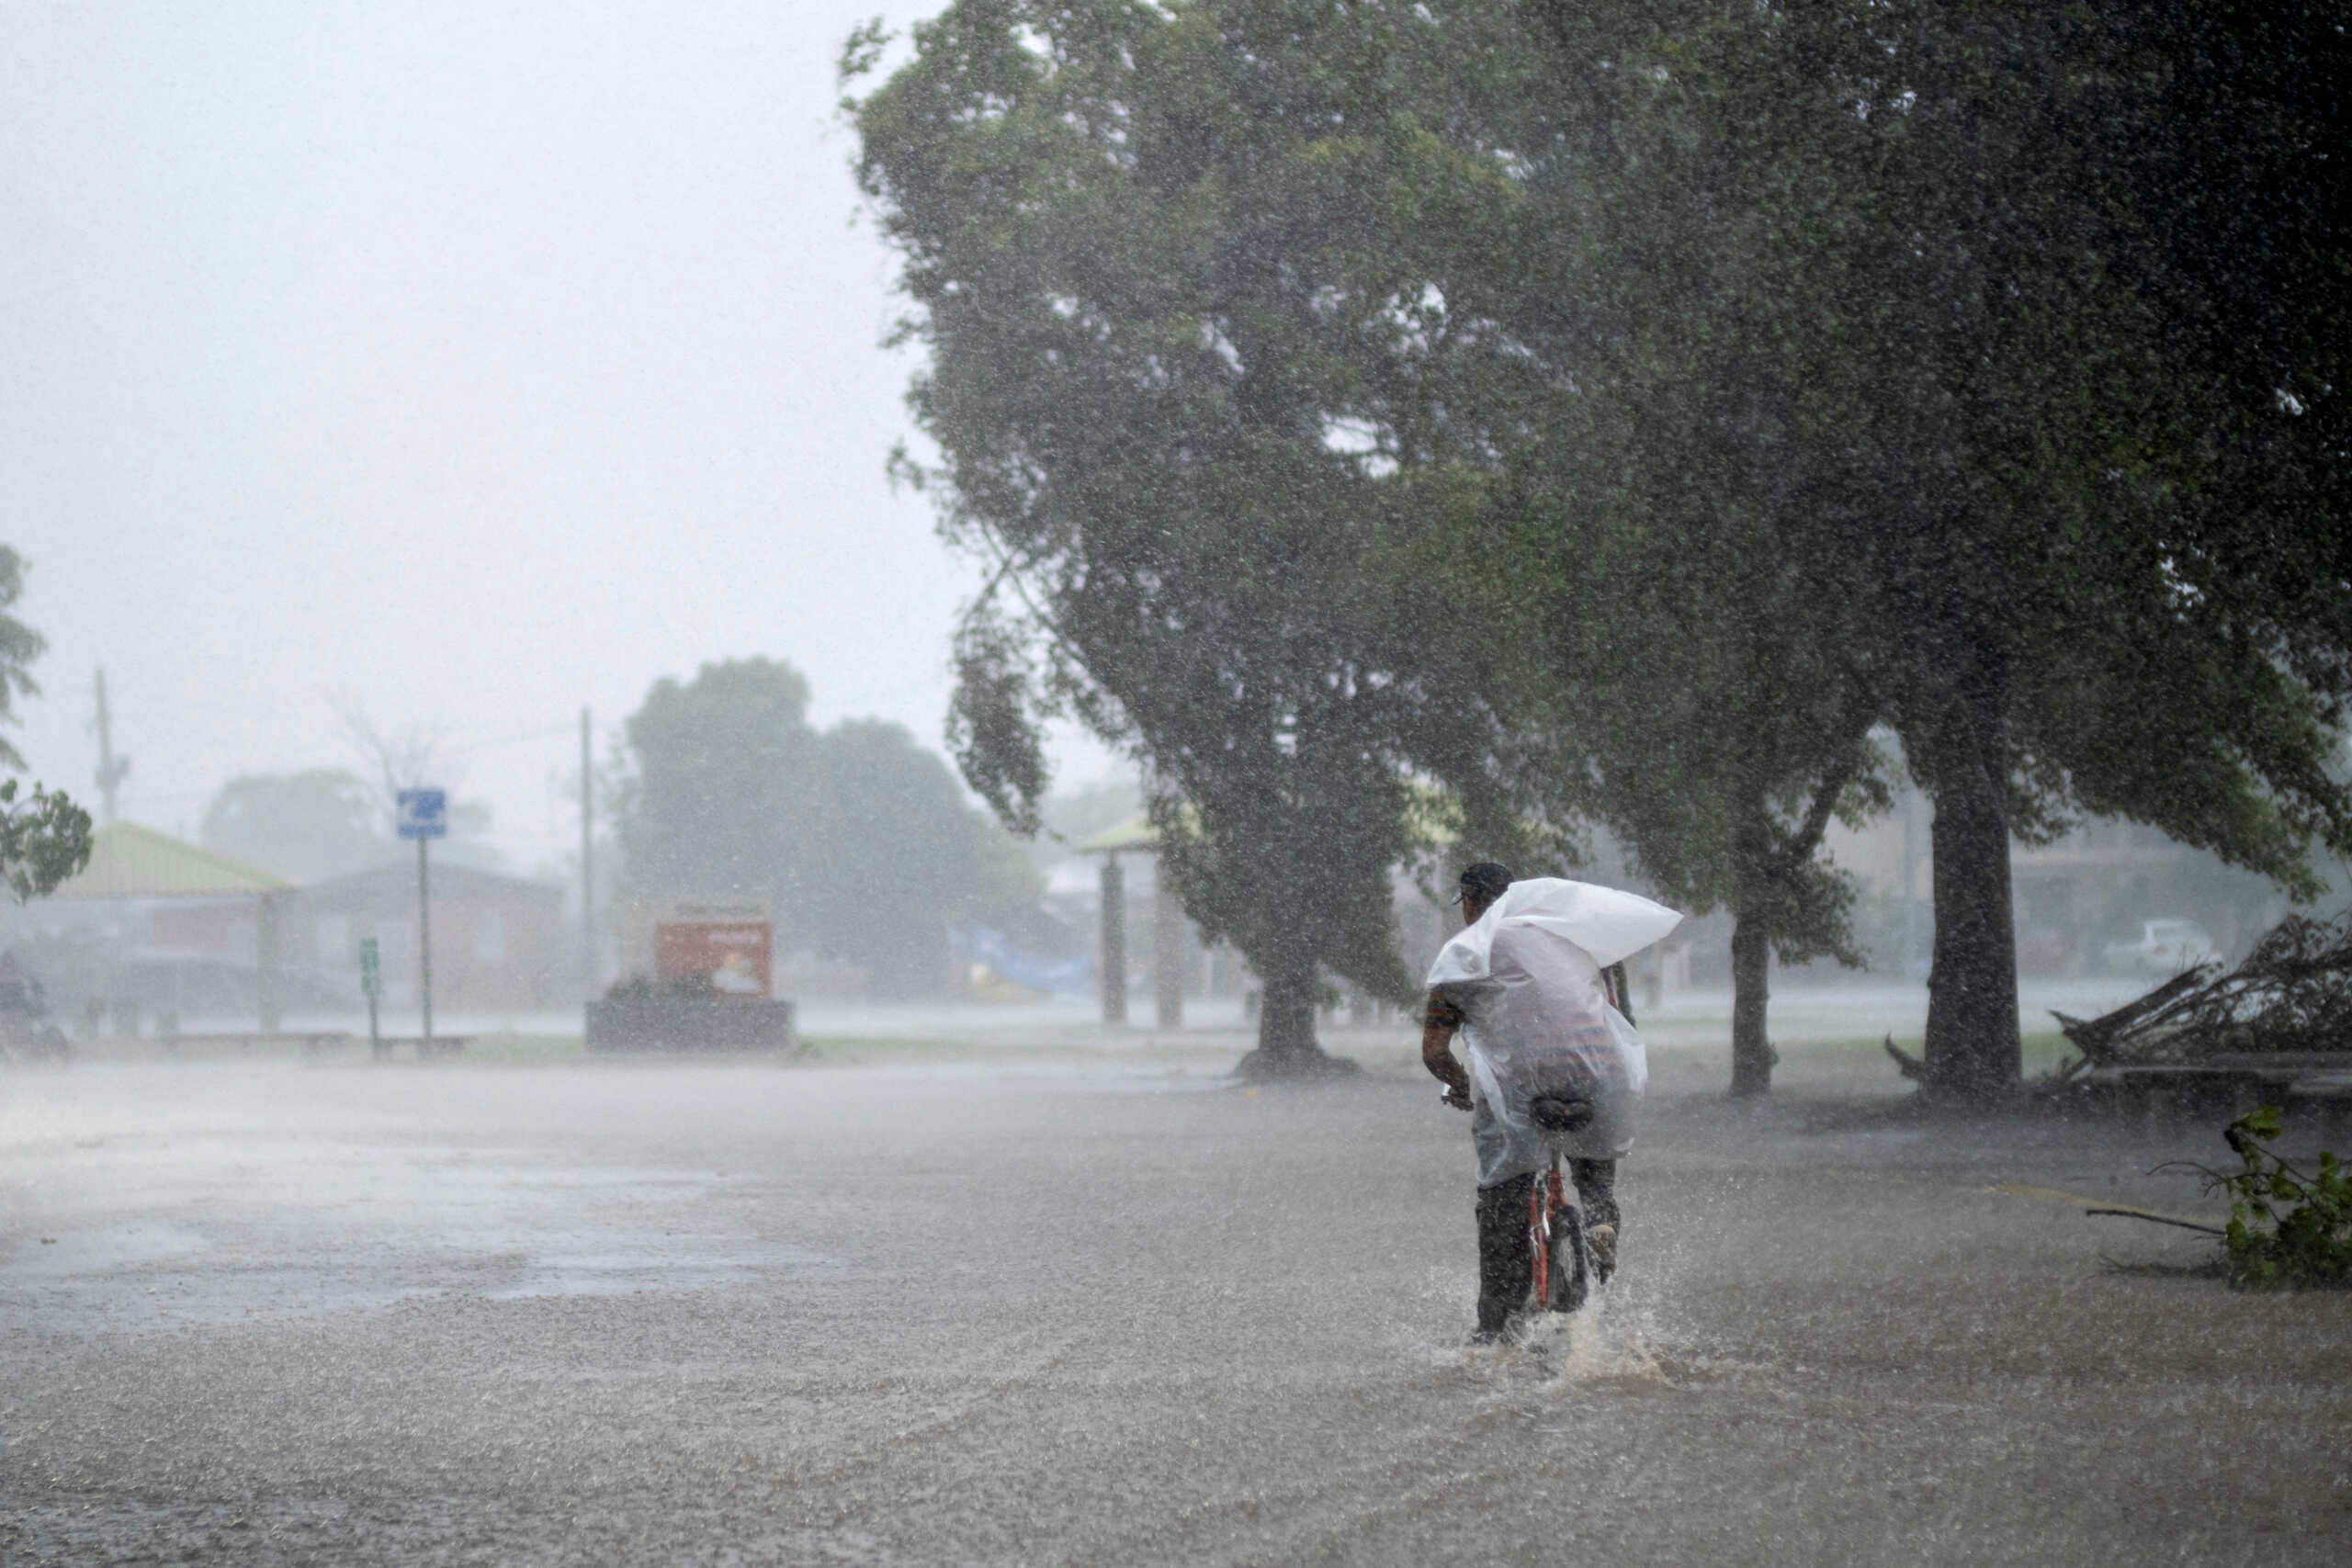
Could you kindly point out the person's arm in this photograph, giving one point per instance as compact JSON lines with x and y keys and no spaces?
{"x":1439,"y":1020}
{"x":1620,"y":995}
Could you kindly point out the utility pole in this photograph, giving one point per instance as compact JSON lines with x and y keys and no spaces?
{"x":424,"y":947}
{"x":587,"y":864}
{"x":112,"y":770}
{"x":423,"y":815}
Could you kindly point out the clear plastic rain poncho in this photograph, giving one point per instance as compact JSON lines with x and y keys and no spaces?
{"x":1527,"y":977}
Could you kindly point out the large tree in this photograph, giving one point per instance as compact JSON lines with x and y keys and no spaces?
{"x":2088,"y":465}
{"x":1432,"y":297}
{"x":1761,"y":373}
{"x":2054,"y":423}
{"x":1611,"y":440}
{"x":1137,"y":241}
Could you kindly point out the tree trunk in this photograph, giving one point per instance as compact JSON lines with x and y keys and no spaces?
{"x":1752,"y":1057}
{"x":1286,"y":1047}
{"x":1972,"y":1052}
{"x":1754,"y":907}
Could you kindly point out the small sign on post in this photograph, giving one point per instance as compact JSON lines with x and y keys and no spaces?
{"x":371,"y":983}
{"x":423,"y":815}
{"x":422,"y":812}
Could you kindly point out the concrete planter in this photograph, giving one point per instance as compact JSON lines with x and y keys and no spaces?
{"x":689,"y":1023}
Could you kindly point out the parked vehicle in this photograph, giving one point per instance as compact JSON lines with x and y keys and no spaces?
{"x":2163,"y":947}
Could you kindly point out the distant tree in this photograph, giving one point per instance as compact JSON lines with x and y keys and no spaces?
{"x":19,"y":646}
{"x":857,"y":838}
{"x":896,"y":858}
{"x":1700,"y":714}
{"x":42,"y":841}
{"x":47,"y":839}
{"x":417,"y":757}
{"x":413,"y":758}
{"x":715,"y":798}
{"x":303,"y":826}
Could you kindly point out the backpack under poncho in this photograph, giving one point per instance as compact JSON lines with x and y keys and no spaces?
{"x":1537,"y":1022}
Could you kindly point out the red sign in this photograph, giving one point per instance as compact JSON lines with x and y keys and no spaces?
{"x":734,"y":953}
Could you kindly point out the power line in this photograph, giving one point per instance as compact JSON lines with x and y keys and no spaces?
{"x":510,"y":739}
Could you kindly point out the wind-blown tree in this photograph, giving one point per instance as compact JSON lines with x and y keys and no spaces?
{"x":1699,"y":712}
{"x":1281,"y":222}
{"x":1899,"y":378}
{"x":1907,"y":366}
{"x":1972,"y":369}
{"x":2080,"y":470}
{"x":1604,"y":524}
{"x":1134,"y":242}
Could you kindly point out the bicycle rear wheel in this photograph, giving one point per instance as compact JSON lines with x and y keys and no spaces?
{"x":1568,"y":1281}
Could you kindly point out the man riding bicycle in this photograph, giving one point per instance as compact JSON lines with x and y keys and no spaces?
{"x":1552,"y":1063}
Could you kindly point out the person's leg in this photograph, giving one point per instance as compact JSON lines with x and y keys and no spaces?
{"x":1505,"y":1258}
{"x":1596,"y":1183}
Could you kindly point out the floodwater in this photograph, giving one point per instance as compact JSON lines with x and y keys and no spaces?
{"x":278,"y":1314}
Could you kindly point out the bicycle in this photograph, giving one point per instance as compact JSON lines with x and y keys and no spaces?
{"x":1564,"y":1268}
{"x":1562,"y":1276}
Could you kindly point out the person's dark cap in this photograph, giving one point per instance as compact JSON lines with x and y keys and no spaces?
{"x":1484,"y":880}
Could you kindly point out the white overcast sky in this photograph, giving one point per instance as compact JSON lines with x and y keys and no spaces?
{"x":480,"y":361}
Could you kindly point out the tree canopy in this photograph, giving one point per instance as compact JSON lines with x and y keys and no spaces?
{"x":45,"y":837}
{"x":1129,"y":239}
{"x":316,"y":823}
{"x":1619,"y":412}
{"x":43,"y":841}
{"x":19,"y":646}
{"x":857,"y":838}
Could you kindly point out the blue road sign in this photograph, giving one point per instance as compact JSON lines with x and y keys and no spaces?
{"x":422,"y":812}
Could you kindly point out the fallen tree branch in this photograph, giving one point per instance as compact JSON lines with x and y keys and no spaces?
{"x":2161,"y":1220}
{"x":2292,"y":993}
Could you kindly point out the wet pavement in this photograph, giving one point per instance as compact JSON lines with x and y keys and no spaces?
{"x":737,"y":1313}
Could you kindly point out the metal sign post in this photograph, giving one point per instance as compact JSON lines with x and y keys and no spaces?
{"x":424,"y":815}
{"x":371,"y":982}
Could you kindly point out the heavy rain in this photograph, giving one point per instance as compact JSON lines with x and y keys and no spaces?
{"x":1175,"y":781}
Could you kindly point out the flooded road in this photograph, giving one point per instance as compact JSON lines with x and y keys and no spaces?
{"x":275,"y":1314}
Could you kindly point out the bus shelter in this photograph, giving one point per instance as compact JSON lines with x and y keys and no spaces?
{"x":1137,"y":836}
